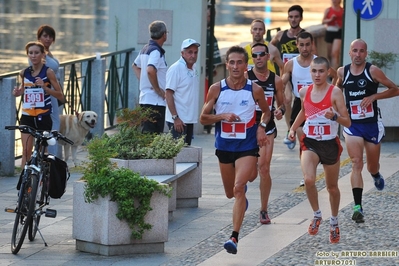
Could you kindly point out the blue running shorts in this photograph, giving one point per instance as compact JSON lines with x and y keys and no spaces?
{"x":370,"y":132}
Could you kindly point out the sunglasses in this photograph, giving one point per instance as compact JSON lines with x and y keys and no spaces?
{"x":261,"y":54}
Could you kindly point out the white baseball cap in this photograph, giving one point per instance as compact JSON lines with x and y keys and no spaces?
{"x":188,"y":42}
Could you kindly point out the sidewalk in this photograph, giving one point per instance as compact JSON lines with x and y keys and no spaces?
{"x":196,"y":236}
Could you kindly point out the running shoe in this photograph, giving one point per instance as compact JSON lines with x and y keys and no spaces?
{"x":286,"y":140}
{"x":231,"y":246}
{"x":358,"y":216}
{"x":314,"y":226}
{"x":334,"y":234}
{"x":264,"y":218}
{"x":290,"y":144}
{"x":379,"y":182}
{"x":302,"y":183}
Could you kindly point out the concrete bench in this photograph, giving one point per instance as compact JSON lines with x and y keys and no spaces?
{"x":186,"y":183}
{"x":181,"y":170}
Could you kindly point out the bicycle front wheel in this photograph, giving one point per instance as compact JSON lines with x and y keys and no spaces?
{"x":24,"y":212}
{"x":40,"y":201}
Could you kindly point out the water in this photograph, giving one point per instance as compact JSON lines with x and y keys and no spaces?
{"x":81,"y":28}
{"x":81,"y":25}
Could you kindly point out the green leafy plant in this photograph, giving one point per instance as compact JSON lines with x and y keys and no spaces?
{"x":163,"y":146}
{"x":128,"y":189}
{"x":130,"y":143}
{"x":383,"y":60}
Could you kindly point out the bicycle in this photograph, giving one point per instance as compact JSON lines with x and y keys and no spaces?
{"x":34,"y":187}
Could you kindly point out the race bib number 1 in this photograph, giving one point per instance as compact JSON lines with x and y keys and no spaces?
{"x":233,"y":130}
{"x":33,"y":97}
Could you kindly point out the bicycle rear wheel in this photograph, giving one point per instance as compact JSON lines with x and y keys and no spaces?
{"x":24,"y":212}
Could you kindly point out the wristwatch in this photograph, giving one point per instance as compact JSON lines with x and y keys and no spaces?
{"x":174,"y":117}
{"x":263,"y":124}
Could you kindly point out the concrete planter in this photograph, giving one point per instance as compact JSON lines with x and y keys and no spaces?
{"x":149,"y":167}
{"x":97,"y":229}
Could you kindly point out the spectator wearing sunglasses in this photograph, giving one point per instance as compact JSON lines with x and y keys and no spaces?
{"x":272,"y":86}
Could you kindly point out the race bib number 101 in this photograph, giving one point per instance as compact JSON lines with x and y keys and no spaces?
{"x":233,"y":130}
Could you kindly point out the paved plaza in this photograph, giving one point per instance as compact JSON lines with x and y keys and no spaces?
{"x":196,"y":235}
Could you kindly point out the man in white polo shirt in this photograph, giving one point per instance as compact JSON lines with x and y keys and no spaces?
{"x":182,"y":92}
{"x":150,"y":68}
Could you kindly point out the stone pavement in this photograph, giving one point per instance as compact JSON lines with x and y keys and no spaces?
{"x":196,"y":236}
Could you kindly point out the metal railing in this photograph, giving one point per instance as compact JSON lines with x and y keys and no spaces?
{"x":78,"y":85}
{"x":77,"y":76}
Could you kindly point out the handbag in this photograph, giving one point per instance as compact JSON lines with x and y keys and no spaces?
{"x":59,"y":175}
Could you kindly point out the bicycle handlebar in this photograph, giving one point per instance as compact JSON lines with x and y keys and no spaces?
{"x":39,"y":133}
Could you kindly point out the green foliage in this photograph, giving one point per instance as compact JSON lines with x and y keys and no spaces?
{"x":130,"y":143}
{"x":128,"y":189}
{"x":383,"y":60}
{"x":133,"y":118}
{"x":98,"y":158}
{"x":163,"y":146}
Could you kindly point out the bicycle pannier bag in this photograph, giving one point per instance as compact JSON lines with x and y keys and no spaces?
{"x":59,"y":175}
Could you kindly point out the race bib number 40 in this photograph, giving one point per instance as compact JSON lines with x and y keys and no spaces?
{"x":318,"y":130}
{"x":233,"y":130}
{"x":33,"y":97}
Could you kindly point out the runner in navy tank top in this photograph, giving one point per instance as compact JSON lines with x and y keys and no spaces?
{"x":360,"y":81}
{"x":231,"y":105}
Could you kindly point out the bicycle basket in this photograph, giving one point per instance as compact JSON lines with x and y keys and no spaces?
{"x":59,"y":175}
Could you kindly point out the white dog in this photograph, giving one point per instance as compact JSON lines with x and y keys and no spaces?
{"x":75,"y":128}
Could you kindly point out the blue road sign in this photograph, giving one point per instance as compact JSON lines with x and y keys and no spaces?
{"x":369,"y":9}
